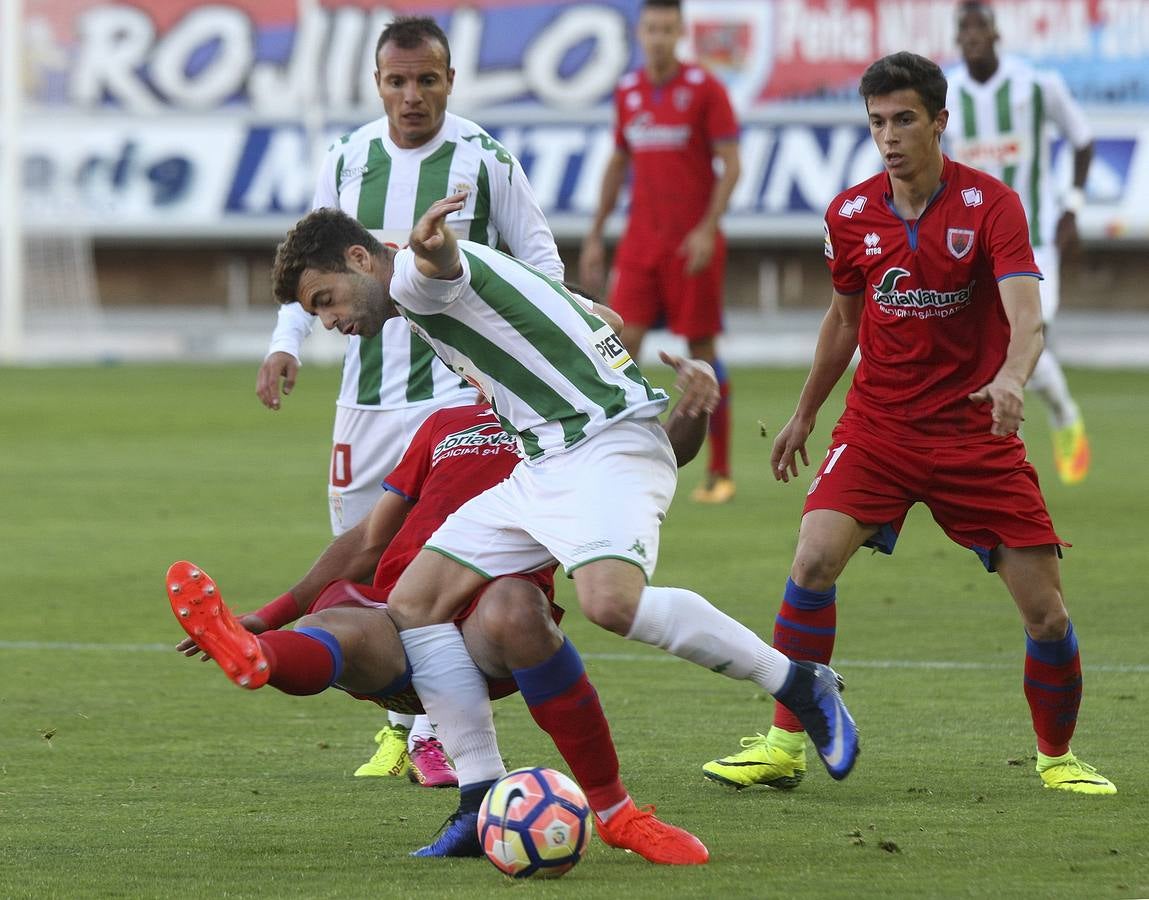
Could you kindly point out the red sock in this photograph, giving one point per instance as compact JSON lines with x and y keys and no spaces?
{"x":805,"y":628}
{"x":576,"y":723}
{"x":300,"y":663}
{"x":719,"y":428}
{"x":1053,"y":689}
{"x":565,"y":705}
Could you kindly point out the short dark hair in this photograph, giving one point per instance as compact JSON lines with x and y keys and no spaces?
{"x":318,"y":241}
{"x":408,"y":32}
{"x":662,"y":4}
{"x":902,"y":71}
{"x":977,"y":6}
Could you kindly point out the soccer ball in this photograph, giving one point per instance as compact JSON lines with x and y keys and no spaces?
{"x":534,"y":822}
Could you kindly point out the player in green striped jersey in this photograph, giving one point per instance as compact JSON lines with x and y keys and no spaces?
{"x":597,"y":482}
{"x":386,"y":174}
{"x":1003,"y":113}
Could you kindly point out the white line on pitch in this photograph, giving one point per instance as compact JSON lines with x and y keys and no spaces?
{"x":845,"y":663}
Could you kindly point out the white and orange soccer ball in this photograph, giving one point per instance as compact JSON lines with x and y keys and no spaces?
{"x":534,"y":822}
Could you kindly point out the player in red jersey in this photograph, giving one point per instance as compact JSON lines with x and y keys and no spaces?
{"x":347,"y":640}
{"x":934,"y":282}
{"x":671,"y":121}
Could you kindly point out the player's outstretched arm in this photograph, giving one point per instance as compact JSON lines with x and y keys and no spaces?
{"x":837,"y":341}
{"x":434,"y":244}
{"x":687,"y":423}
{"x":1021,"y":300}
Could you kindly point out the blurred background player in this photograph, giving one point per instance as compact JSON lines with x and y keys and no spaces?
{"x":386,"y":174}
{"x":1001,"y":113}
{"x":672,"y":121}
{"x":948,"y":321}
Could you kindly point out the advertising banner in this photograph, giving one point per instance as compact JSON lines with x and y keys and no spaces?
{"x":223,"y":177}
{"x":169,"y":118}
{"x":271,"y":58}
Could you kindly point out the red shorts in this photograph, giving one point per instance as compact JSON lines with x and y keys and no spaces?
{"x":652,"y":289}
{"x":401,"y":697}
{"x":983,"y":494}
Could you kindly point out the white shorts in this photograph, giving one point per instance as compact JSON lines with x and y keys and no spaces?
{"x":1049,"y":263}
{"x":366,"y":445}
{"x":605,"y":499}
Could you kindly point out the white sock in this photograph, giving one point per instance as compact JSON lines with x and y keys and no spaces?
{"x":420,"y":730}
{"x":1048,"y":382}
{"x":605,"y":814}
{"x":454,"y":693}
{"x":685,"y":624}
{"x":400,"y":719}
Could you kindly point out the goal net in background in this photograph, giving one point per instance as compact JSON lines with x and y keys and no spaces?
{"x":49,"y":282}
{"x":60,"y":287}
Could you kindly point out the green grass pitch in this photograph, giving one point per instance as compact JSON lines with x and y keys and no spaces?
{"x":129,"y":771}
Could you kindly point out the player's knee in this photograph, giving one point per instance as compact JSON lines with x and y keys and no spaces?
{"x":1048,"y":624}
{"x":514,"y":611}
{"x":815,"y":568}
{"x":612,"y":610}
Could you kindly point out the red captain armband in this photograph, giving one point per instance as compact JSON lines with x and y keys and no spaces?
{"x":280,"y":611}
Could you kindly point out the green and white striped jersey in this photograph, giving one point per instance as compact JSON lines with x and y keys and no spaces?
{"x":1005,"y":126}
{"x":555,"y":373}
{"x":388,"y":188}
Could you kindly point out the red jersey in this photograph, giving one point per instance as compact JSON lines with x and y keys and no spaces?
{"x":456,"y":454}
{"x":933,"y":329}
{"x":669,"y":132}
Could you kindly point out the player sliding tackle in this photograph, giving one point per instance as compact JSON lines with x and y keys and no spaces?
{"x":597,"y":480}
{"x":346,"y":639}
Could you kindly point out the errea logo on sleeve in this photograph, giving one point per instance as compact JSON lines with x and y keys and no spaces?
{"x":871,"y":240}
{"x":851,"y":208}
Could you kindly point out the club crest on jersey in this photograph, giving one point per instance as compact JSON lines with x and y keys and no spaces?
{"x":959,"y":242}
{"x":681,"y":96}
{"x":851,"y":208}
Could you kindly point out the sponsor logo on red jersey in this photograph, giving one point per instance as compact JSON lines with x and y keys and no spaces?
{"x":918,"y":303}
{"x":643,"y":133}
{"x":482,"y":438}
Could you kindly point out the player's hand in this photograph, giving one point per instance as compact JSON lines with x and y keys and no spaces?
{"x":250,"y":621}
{"x":788,"y":446}
{"x":428,"y":231}
{"x":696,"y":382}
{"x":1006,"y":399}
{"x":1066,"y":238}
{"x":698,"y":248}
{"x":592,"y":264}
{"x":277,"y":365}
